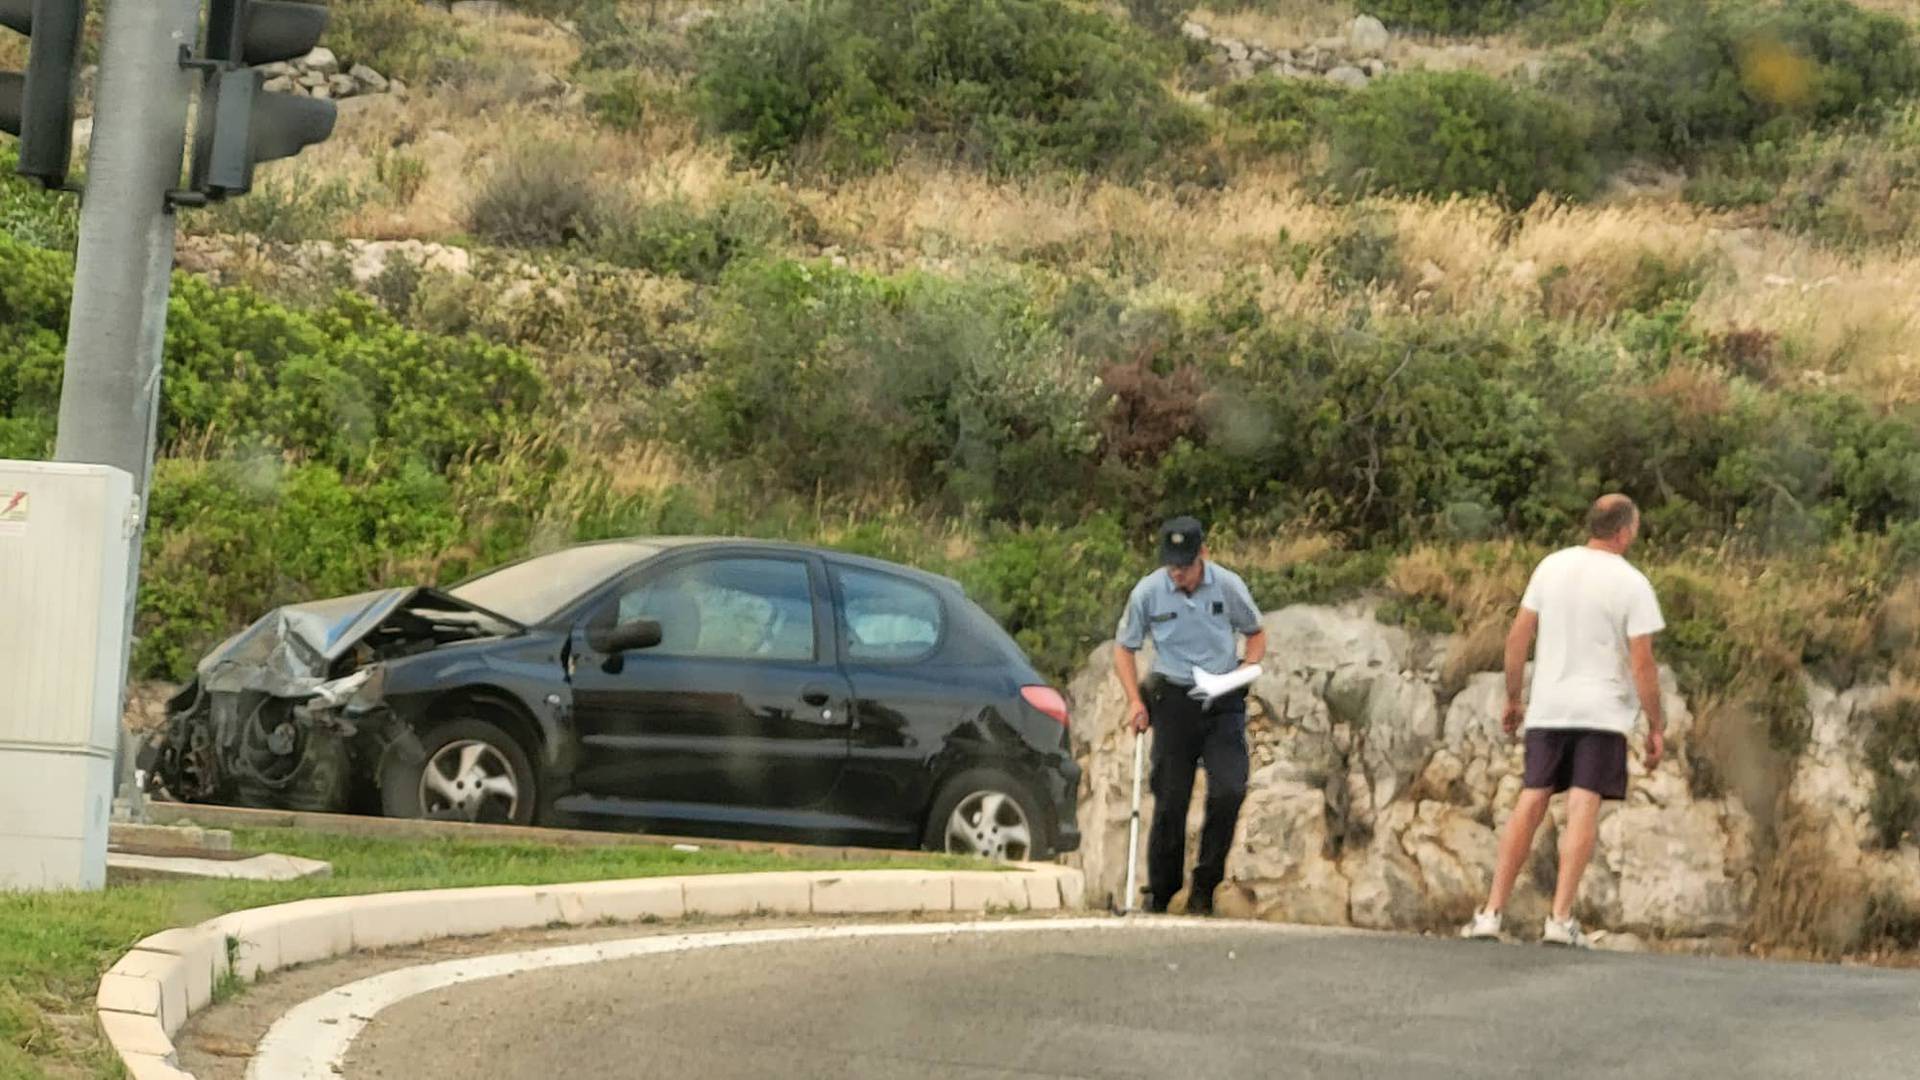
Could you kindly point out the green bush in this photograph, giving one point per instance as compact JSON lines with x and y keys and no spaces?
{"x":955,"y":389}
{"x":1277,"y":116}
{"x":613,"y":39}
{"x":544,"y":195}
{"x":1551,"y":19}
{"x":1160,"y":16}
{"x":283,"y":209}
{"x":342,"y":385}
{"x":1454,"y":133}
{"x":1893,"y":752}
{"x":1451,"y":16}
{"x":1010,"y":85}
{"x":672,"y":237}
{"x":32,"y":215}
{"x":403,"y":39}
{"x":1724,"y":74}
{"x":1852,"y":187}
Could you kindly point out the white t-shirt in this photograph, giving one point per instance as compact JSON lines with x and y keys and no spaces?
{"x":1590,"y":603}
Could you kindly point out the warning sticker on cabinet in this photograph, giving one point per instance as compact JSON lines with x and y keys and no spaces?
{"x":15,"y":509}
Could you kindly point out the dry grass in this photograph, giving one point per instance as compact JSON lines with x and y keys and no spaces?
{"x":1299,"y":23}
{"x":1849,"y":320}
{"x":1905,"y":9}
{"x":1807,"y":904}
{"x":534,"y":44}
{"x":1302,"y":23}
{"x":1474,"y":583}
{"x":1275,"y":553}
{"x":1480,"y":587}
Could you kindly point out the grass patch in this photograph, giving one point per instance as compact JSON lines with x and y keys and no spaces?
{"x":54,"y":947}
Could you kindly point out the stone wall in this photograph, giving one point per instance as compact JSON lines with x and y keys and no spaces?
{"x":1350,"y":58}
{"x":1374,"y":800}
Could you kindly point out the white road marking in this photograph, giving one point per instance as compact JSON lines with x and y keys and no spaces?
{"x":311,"y":1041}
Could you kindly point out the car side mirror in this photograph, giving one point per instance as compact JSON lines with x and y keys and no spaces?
{"x":627,"y":636}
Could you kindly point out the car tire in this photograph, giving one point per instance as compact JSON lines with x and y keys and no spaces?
{"x":471,"y":757}
{"x":985,"y":812}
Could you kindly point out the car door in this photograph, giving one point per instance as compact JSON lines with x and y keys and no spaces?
{"x":891,"y":629}
{"x":741,"y":704}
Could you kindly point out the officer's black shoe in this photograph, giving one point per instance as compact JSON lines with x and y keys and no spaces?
{"x":1200,"y":911}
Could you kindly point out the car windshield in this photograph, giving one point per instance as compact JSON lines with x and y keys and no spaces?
{"x":534,"y":590}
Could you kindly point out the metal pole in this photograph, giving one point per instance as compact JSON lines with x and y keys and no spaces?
{"x":109,"y":402}
{"x":1133,"y":825}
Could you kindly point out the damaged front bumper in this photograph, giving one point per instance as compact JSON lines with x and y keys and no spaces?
{"x":291,"y":713}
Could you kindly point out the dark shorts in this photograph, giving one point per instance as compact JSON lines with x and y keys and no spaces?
{"x":1562,"y":758}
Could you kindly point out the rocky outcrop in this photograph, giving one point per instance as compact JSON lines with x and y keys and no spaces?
{"x":320,"y":74}
{"x":1350,"y":58}
{"x":1375,"y":799}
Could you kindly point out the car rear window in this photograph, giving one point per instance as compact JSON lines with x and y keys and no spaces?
{"x":887,"y":618}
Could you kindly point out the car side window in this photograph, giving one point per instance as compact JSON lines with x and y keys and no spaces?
{"x":728,"y":609}
{"x":886,"y":618}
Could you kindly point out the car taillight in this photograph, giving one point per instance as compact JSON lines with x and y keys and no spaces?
{"x":1047,"y":700}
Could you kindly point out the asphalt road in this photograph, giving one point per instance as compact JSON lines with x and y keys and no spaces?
{"x":1158,"y":1002}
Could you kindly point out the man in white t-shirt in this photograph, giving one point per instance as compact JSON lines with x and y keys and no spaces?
{"x":1589,"y":618}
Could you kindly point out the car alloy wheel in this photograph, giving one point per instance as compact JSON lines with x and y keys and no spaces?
{"x":467,"y":778}
{"x":991,"y":825}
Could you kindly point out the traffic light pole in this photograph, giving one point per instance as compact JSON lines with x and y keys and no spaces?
{"x":109,"y":402}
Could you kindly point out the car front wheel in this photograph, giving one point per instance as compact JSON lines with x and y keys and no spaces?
{"x":470,"y":770}
{"x":988,"y":814}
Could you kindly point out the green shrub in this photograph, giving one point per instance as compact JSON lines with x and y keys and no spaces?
{"x":1450,"y":16}
{"x":672,"y":237}
{"x":1273,"y":115}
{"x":1364,"y":255}
{"x":544,"y":195}
{"x":1057,"y":590}
{"x":1893,"y":752}
{"x":1011,"y":85}
{"x":1160,"y":16}
{"x":285,"y":209}
{"x":401,"y":174}
{"x":403,"y":39}
{"x":32,"y":215}
{"x":1723,"y":74}
{"x":955,"y":389}
{"x":1549,"y":19}
{"x":613,"y":39}
{"x":1458,"y":133}
{"x":628,"y":100}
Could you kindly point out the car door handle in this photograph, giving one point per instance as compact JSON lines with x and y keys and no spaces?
{"x":814,"y":695}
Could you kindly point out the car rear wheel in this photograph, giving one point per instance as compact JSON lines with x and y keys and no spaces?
{"x":988,"y":814}
{"x":469,"y":770}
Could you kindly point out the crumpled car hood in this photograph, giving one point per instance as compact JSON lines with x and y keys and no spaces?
{"x":289,"y":651}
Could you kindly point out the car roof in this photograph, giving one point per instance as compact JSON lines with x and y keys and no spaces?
{"x":739,"y":543}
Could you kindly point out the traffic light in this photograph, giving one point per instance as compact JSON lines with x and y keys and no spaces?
{"x":37,"y":105}
{"x":241,"y":123}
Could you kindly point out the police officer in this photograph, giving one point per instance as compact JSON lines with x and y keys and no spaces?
{"x":1192,"y":609}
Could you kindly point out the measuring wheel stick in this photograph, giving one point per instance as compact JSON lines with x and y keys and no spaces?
{"x":1133,"y":826}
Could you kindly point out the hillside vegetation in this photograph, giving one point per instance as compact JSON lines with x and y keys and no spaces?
{"x":990,"y":286}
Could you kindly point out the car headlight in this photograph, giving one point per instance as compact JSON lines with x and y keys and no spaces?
{"x":338,"y":691}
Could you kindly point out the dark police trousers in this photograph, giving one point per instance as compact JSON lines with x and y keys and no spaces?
{"x":1185,"y":735}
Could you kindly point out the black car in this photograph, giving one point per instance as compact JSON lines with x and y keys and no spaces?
{"x":689,"y":686}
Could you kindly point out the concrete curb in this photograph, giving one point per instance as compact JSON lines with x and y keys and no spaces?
{"x":146,"y":997}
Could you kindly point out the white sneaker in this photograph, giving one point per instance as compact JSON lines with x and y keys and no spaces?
{"x":1484,"y":927}
{"x":1564,"y":932}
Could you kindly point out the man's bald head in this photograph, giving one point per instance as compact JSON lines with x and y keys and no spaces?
{"x":1611,"y":517}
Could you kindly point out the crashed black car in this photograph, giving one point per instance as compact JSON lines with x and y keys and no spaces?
{"x":696,"y":687}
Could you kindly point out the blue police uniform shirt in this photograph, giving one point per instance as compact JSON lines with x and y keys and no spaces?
{"x":1190,"y":631}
